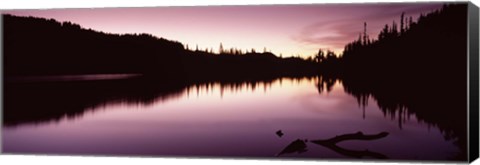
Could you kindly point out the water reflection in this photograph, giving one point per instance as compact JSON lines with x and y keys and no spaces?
{"x":149,"y":117}
{"x":71,"y":98}
{"x":429,"y":102}
{"x":51,"y":101}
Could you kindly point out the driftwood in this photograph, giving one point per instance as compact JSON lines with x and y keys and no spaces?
{"x":355,"y":136}
{"x":279,"y":133}
{"x":298,"y":146}
{"x":332,"y":144}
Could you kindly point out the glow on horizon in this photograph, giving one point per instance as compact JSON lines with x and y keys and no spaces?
{"x":287,"y":30}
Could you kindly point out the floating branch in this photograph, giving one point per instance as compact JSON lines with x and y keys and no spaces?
{"x":332,"y":144}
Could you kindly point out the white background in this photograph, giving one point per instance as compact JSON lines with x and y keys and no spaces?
{"x":81,"y":160}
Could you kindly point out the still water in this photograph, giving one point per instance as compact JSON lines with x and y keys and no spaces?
{"x":255,"y":119}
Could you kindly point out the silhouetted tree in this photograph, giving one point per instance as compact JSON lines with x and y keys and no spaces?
{"x":410,"y":21}
{"x":394,"y":30}
{"x":402,"y":25}
{"x":320,"y":56}
{"x":220,"y":49}
{"x":384,"y":33}
{"x":365,"y":36}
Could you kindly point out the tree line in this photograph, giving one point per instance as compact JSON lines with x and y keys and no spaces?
{"x":417,"y":68}
{"x":38,"y":46}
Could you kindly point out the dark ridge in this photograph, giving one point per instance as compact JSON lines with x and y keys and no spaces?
{"x":38,"y":46}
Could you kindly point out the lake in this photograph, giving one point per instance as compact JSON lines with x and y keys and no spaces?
{"x":254,"y":119}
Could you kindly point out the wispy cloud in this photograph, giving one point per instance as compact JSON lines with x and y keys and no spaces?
{"x":334,"y":34}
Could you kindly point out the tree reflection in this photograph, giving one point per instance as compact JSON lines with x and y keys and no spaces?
{"x":32,"y":102}
{"x":27,"y":103}
{"x":400,"y":101}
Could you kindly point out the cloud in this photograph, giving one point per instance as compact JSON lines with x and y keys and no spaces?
{"x":334,"y":34}
{"x":328,"y":35}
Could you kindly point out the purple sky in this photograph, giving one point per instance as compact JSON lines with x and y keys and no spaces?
{"x":283,"y":29}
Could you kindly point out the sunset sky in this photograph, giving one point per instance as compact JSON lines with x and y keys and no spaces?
{"x":289,"y":30}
